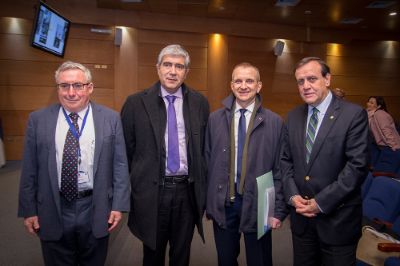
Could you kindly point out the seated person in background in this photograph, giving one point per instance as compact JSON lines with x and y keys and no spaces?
{"x":385,"y":149}
{"x":339,"y":92}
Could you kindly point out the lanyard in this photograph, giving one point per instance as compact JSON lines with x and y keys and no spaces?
{"x":72,"y":127}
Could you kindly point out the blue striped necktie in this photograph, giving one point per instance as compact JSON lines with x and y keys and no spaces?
{"x":311,"y":132}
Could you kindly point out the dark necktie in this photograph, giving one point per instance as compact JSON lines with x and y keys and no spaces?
{"x":173,"y":144}
{"x":69,"y":169}
{"x":241,"y":140}
{"x":311,"y":132}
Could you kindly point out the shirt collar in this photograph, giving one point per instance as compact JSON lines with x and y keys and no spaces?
{"x":249,"y":108}
{"x":323,"y":106}
{"x":81,"y":113}
{"x":178,"y":93}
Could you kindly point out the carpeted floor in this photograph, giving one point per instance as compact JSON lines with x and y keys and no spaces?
{"x":19,"y":248}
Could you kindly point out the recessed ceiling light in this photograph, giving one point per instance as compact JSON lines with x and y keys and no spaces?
{"x":381,"y":4}
{"x":131,"y":1}
{"x":351,"y":20}
{"x":283,"y":3}
{"x":392,"y":13}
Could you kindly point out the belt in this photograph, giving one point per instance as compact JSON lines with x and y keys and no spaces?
{"x":84,"y":193}
{"x":176,"y":179}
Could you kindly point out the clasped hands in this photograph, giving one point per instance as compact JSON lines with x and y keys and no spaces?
{"x":305,"y":207}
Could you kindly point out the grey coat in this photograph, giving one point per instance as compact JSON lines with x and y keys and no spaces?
{"x":263,"y":156}
{"x":39,"y":193}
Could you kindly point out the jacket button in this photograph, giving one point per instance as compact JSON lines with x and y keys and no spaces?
{"x":219,"y":187}
{"x":306,"y":178}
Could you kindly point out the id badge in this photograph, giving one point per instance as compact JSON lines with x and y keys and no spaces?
{"x":83,"y":177}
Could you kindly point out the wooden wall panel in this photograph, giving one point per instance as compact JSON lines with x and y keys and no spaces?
{"x":14,"y":121}
{"x":13,"y":147}
{"x":197,"y":79}
{"x":365,"y":67}
{"x":366,"y":86}
{"x":165,"y":38}
{"x":147,"y":76}
{"x":362,"y":68}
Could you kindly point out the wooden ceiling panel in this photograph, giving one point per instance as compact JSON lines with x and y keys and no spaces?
{"x":319,"y":14}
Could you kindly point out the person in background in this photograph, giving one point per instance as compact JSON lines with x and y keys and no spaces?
{"x":340,"y":93}
{"x":164,"y":129}
{"x":74,"y":182}
{"x":242,"y":143}
{"x":385,"y":147}
{"x":324,"y":163}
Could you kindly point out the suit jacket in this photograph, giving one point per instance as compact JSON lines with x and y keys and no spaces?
{"x":262,"y":156}
{"x":144,"y":121}
{"x":337,"y":167}
{"x":39,"y":189}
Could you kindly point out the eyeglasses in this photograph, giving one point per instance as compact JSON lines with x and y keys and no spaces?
{"x":76,"y":86}
{"x":168,"y":65}
{"x":248,"y":82}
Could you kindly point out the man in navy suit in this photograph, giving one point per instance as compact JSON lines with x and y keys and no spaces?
{"x":72,"y":200}
{"x":324,"y":163}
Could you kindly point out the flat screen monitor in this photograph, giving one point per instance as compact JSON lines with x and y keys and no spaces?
{"x":50,"y":30}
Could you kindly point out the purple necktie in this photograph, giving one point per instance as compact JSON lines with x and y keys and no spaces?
{"x":173,"y":145}
{"x":69,"y":167}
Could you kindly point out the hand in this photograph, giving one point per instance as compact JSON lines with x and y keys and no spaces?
{"x":32,"y":224}
{"x":308,"y":208}
{"x":115,"y":217}
{"x":275,"y":223}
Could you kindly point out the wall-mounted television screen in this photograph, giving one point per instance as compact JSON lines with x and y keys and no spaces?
{"x":50,"y":30}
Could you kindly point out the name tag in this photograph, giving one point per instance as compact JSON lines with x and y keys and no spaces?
{"x":83,"y":177}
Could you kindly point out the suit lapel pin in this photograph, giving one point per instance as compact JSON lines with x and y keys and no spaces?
{"x":331,"y":117}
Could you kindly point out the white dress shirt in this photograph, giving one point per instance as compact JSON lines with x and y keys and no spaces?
{"x":86,"y":144}
{"x":178,"y":104}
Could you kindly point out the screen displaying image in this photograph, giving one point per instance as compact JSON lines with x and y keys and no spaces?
{"x":50,"y":30}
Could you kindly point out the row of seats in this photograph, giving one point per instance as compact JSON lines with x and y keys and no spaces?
{"x":381,"y":210}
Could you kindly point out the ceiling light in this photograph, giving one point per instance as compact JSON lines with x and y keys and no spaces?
{"x":131,"y":1}
{"x":287,"y":3}
{"x":381,"y":4}
{"x":392,"y":13}
{"x":351,"y":20}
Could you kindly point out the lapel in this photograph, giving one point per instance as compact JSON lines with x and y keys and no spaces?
{"x":259,"y":115}
{"x":332,"y":114}
{"x":98,"y":123}
{"x":51,"y":124}
{"x":301,"y":133}
{"x":189,"y":111}
{"x":151,"y":101}
{"x":228,"y":103}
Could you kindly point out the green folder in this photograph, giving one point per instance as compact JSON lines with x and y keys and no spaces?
{"x":266,"y":202}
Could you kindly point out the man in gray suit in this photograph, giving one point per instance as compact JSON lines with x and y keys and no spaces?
{"x":74,"y":183}
{"x":164,"y":129}
{"x":324,"y":163}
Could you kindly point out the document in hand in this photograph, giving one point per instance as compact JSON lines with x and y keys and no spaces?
{"x":266,"y":203}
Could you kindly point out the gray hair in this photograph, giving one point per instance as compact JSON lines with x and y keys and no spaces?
{"x":68,"y":65}
{"x":174,"y":50}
